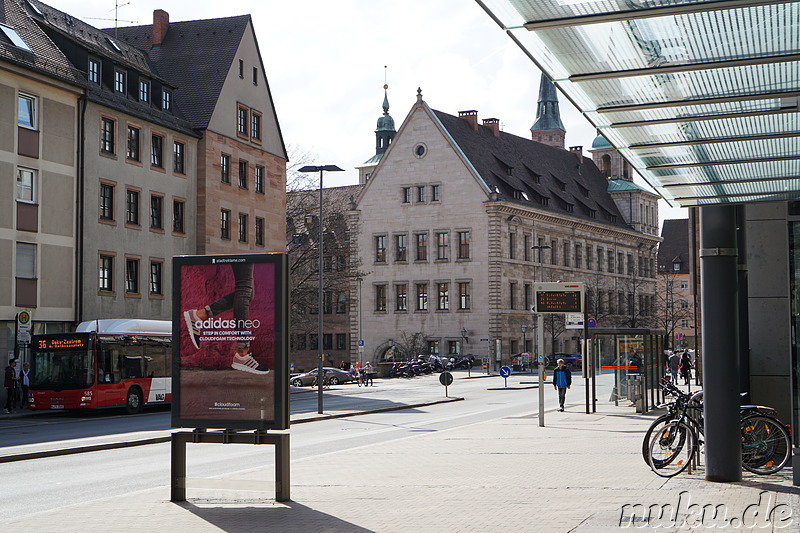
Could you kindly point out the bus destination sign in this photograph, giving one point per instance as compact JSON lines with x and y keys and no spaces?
{"x":62,"y":343}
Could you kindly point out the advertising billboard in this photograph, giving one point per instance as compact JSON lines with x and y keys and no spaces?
{"x":230,"y":341}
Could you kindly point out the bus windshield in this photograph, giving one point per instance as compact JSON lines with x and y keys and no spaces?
{"x":59,"y":368}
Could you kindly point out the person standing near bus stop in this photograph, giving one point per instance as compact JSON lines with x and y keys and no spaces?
{"x":10,"y":383}
{"x":562,"y":380}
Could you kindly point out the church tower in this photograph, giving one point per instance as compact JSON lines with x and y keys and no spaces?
{"x":548,"y":128}
{"x":384,"y":133}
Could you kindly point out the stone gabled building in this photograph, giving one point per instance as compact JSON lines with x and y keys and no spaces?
{"x":447,"y":224}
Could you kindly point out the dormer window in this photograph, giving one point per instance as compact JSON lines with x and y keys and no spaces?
{"x":676,"y":266}
{"x":120,"y":77}
{"x":93,"y":70}
{"x":144,"y":91}
{"x":166,"y":100}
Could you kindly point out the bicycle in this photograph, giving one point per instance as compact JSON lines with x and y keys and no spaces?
{"x":766,"y":444}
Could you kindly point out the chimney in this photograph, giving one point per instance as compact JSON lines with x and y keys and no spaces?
{"x":578,"y":151}
{"x":494,"y":124}
{"x":471,"y":117}
{"x":160,"y":27}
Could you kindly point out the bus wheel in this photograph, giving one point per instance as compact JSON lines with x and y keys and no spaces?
{"x":133,"y":404}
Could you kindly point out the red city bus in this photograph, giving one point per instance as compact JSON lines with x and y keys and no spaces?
{"x":105,"y":363}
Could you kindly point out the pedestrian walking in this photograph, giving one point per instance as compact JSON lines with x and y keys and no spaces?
{"x":10,"y":384}
{"x":674,"y":364}
{"x":369,"y":372}
{"x":686,"y":367}
{"x":25,"y":383}
{"x":562,"y":380}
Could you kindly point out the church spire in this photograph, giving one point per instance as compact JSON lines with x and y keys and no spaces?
{"x":385,"y":131}
{"x":548,"y":128}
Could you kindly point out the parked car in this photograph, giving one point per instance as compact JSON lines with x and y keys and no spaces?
{"x":571,"y":360}
{"x":334,"y":376}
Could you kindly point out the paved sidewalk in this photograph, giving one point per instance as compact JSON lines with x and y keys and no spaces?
{"x":581,"y":473}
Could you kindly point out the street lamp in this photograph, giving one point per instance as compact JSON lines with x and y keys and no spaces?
{"x":524,"y":344}
{"x":538,"y":340}
{"x":360,"y":280}
{"x":320,"y":376}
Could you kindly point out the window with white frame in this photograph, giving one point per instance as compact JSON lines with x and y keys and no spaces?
{"x":26,"y":111}
{"x":26,"y":185}
{"x":26,"y":261}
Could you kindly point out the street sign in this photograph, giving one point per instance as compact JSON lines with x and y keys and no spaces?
{"x":23,"y":327}
{"x":446,"y":379}
{"x":591,"y":323}
{"x":573,"y":321}
{"x":484,"y":340}
{"x":361,"y":342}
{"x":505,"y":371}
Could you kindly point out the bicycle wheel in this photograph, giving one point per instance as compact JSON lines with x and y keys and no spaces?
{"x":672,"y":449}
{"x":657,"y":425}
{"x":766,"y":446}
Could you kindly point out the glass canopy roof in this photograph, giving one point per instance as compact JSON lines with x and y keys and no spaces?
{"x":700,"y":96}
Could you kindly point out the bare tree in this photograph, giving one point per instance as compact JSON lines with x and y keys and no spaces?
{"x":410,"y":345}
{"x":302,"y":241}
{"x":670,"y":307}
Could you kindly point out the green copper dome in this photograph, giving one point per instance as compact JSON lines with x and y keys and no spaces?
{"x":600,"y":143}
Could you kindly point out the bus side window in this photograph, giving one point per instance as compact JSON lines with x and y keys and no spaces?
{"x":131,"y":362}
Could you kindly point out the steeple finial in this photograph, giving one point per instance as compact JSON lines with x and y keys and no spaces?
{"x":385,"y":93}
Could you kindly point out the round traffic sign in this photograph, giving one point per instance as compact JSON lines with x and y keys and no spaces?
{"x":505,"y":371}
{"x":446,"y":378}
{"x":591,"y":323}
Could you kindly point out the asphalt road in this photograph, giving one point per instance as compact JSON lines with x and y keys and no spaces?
{"x":55,"y":482}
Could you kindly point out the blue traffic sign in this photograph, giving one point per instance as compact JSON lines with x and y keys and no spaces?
{"x":505,"y":371}
{"x":361,"y":342}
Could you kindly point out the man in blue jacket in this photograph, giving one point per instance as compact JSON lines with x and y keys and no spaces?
{"x":562,"y":380}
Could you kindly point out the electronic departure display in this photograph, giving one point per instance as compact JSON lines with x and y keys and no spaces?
{"x":558,"y":302}
{"x":61,"y":343}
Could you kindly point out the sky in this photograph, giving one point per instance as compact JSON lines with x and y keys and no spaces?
{"x":326,"y":63}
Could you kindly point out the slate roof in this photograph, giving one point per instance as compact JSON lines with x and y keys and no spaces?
{"x":510,"y":165}
{"x":209,"y":46}
{"x":62,"y":26}
{"x":675,"y":246}
{"x":45,"y":56}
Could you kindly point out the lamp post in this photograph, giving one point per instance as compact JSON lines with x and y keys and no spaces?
{"x":360,"y":280}
{"x":524,"y":344}
{"x":538,"y":338}
{"x":320,"y":376}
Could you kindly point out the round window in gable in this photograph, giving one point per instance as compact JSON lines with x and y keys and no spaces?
{"x":420,"y":150}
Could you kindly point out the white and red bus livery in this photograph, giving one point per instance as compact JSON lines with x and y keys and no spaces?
{"x":105,"y":363}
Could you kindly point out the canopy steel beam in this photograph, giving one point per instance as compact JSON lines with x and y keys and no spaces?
{"x":715,"y":140}
{"x":699,"y":118}
{"x":697,"y":101}
{"x":651,"y":12}
{"x":687,"y":67}
{"x":730,"y":162}
{"x":769,"y":194}
{"x":729,"y":182}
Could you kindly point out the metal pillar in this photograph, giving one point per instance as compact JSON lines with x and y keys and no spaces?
{"x":718,"y":273}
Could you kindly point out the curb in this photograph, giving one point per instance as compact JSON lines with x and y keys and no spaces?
{"x":168,"y":438}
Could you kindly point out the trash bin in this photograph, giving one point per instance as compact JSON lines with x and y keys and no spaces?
{"x":635,"y":393}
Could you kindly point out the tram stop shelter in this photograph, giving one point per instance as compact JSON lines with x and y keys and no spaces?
{"x":702,"y":98}
{"x":635,"y":356}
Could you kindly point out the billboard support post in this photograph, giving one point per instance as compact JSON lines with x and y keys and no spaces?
{"x":178,"y":456}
